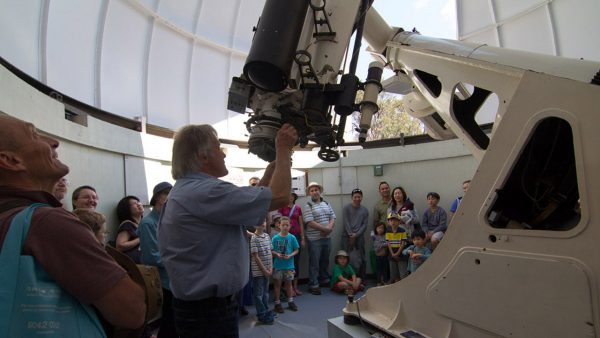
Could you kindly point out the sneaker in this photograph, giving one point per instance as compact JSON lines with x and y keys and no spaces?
{"x":265,"y":322}
{"x":278,"y":308}
{"x":292,"y":306}
{"x":315,"y":291}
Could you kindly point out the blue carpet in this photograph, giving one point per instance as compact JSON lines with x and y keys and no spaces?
{"x":309,"y":321}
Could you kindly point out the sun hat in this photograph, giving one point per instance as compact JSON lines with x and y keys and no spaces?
{"x":341,"y":253}
{"x":314,"y":184}
{"x":162,"y":186}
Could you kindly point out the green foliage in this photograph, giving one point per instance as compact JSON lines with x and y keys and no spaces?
{"x":391,"y":120}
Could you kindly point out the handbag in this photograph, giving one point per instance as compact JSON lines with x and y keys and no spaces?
{"x":292,"y":211}
{"x":31,"y":303}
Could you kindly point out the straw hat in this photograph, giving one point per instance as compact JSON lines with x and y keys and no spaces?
{"x":314,"y":184}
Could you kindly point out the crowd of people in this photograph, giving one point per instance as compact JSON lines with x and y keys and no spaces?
{"x":208,"y":239}
{"x":56,"y":240}
{"x":402,"y":239}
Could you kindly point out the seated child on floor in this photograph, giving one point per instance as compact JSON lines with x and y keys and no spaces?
{"x":417,"y":253}
{"x":344,"y":279}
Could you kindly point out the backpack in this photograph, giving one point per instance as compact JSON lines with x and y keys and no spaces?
{"x":311,"y":205}
{"x":31,"y":303}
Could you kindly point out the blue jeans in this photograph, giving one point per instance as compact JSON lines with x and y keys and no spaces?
{"x":260,"y":295}
{"x":210,"y":317}
{"x":318,"y":261}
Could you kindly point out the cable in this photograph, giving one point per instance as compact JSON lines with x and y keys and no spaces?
{"x":362,"y":323}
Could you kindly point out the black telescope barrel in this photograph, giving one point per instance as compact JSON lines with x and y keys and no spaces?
{"x":271,"y":55}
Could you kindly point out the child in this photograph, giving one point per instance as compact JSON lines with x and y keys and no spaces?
{"x":344,"y":279}
{"x":396,"y":242}
{"x":274,"y":228}
{"x":417,"y":252}
{"x":285,"y":247}
{"x":435,"y":221}
{"x":95,"y":220}
{"x":381,"y":250}
{"x":261,"y":264}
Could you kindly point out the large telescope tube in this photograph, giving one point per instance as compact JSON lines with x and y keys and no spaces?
{"x":271,"y":56}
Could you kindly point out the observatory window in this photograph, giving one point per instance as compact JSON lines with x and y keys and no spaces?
{"x":431,"y":82}
{"x":541,"y":192}
{"x":467,"y":102}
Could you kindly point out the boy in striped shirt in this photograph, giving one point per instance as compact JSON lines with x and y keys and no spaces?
{"x":396,"y":241}
{"x":261,"y":264}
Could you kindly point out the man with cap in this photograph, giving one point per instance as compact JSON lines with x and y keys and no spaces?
{"x":356,"y":218}
{"x":319,"y":219}
{"x":150,"y":255}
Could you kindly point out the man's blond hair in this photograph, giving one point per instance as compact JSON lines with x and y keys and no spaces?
{"x":189,"y":143}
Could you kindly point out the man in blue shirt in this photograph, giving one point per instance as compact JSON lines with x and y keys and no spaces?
{"x":201,"y":233}
{"x":150,"y":255}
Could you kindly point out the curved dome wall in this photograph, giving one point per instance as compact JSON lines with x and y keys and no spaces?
{"x":168,"y":61}
{"x":555,"y":27}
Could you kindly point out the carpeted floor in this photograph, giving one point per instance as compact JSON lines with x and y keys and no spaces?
{"x":309,"y":321}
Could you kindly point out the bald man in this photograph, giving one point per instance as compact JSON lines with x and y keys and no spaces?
{"x":61,"y":244}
